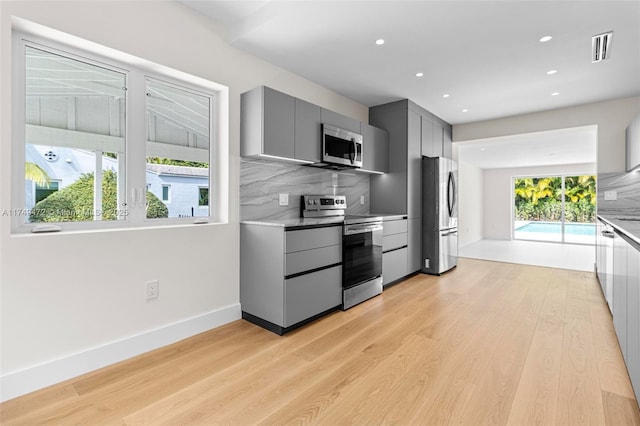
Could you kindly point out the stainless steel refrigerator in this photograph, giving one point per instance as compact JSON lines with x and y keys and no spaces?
{"x":439,"y":215}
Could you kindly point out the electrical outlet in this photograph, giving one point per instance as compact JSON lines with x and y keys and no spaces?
{"x":362,"y":200}
{"x":153,"y":289}
{"x":284,"y":199}
{"x":610,"y":195}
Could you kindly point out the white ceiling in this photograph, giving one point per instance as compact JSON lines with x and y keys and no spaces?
{"x":576,"y":145}
{"x":485,"y":54}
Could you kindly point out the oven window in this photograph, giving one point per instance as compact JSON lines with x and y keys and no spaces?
{"x":362,"y":258}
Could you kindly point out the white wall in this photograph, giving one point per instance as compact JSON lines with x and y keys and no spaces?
{"x":611,"y":117}
{"x":471,"y":196}
{"x":73,"y":302}
{"x":498,"y":194}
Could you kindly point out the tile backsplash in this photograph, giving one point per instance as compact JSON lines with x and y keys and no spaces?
{"x":262,"y":181}
{"x":627,"y":189}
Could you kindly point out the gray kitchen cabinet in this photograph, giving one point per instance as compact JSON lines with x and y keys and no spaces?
{"x":414,"y":166}
{"x":438,"y":138}
{"x":620,"y":291}
{"x":394,"y":266}
{"x":289,"y":277}
{"x":426,"y":137}
{"x":399,"y":191}
{"x":308,"y":131}
{"x":394,"y":251}
{"x":314,"y":292}
{"x":267,"y":123}
{"x":414,"y":246}
{"x":447,"y":142}
{"x":632,"y":144}
{"x":340,"y":121}
{"x":601,"y":255}
{"x":633,"y":315}
{"x":278,"y":126}
{"x":375,"y":150}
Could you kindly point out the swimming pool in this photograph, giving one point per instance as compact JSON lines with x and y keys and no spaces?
{"x":588,"y":229}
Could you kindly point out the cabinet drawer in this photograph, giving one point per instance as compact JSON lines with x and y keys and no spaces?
{"x":306,"y":239}
{"x":390,"y":242}
{"x":394,"y":265}
{"x":311,"y":294}
{"x":307,"y":260}
{"x":395,"y":227}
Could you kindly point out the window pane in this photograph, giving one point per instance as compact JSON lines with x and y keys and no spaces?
{"x":44,"y":189}
{"x":538,"y":208}
{"x":203,"y":199}
{"x":178,"y":142}
{"x":74,"y":139}
{"x":580,"y":209}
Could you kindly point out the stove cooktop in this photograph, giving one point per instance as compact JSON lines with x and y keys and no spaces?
{"x":350,"y":219}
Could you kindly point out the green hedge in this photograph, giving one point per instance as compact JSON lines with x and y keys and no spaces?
{"x":551,"y":210}
{"x":74,"y":203}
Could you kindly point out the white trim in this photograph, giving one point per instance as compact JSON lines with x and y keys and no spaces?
{"x":30,"y":379}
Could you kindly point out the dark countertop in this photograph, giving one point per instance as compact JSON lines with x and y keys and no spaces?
{"x":631,"y":228}
{"x":311,"y":222}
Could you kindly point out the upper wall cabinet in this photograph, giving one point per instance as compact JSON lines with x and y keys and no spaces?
{"x":633,"y":144}
{"x":267,"y":123}
{"x":375,"y":150}
{"x":340,"y":121}
{"x":308,"y":131}
{"x":436,"y":138}
{"x":277,"y":125}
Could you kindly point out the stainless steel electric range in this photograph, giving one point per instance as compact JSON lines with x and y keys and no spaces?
{"x":361,"y":247}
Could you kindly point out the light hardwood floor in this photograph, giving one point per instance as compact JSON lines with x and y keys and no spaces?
{"x":488,"y":343}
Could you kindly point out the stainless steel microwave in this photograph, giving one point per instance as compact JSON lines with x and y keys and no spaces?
{"x":341,"y":147}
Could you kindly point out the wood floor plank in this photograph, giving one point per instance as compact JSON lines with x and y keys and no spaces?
{"x":579,"y":400}
{"x":619,"y":410}
{"x":487,"y":343}
{"x":536,"y":396}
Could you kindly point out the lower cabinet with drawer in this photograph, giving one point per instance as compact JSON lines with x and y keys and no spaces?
{"x":288,"y":278}
{"x":394,"y":251}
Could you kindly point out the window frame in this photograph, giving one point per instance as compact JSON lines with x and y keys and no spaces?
{"x":137,"y":71}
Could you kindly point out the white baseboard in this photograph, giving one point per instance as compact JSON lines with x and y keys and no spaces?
{"x":46,"y":374}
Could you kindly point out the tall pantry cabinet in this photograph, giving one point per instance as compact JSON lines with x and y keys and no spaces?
{"x":413,"y":132}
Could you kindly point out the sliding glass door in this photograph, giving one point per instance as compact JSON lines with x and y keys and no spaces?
{"x":555,"y":208}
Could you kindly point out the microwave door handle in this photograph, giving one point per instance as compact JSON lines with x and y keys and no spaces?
{"x":353,"y":149}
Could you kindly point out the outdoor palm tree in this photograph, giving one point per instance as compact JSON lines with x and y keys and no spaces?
{"x":35,"y":173}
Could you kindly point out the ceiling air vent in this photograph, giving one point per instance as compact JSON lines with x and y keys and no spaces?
{"x":600,"y":46}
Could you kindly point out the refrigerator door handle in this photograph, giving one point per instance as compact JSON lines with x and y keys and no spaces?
{"x":451,"y":194}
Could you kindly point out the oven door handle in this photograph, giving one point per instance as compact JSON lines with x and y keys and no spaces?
{"x":350,"y":230}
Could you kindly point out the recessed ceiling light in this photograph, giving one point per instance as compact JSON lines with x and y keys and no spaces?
{"x":446,"y":95}
{"x":545,"y":39}
{"x":555,"y":93}
{"x":465,"y":110}
{"x":551,"y":72}
{"x":379,"y":42}
{"x":482,"y":149}
{"x":419,"y":74}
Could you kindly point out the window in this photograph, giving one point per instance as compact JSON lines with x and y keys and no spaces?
{"x":76,"y":112}
{"x":178,"y":138}
{"x":44,"y":189}
{"x":203,"y":197}
{"x":166,"y":194}
{"x":555,"y":208}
